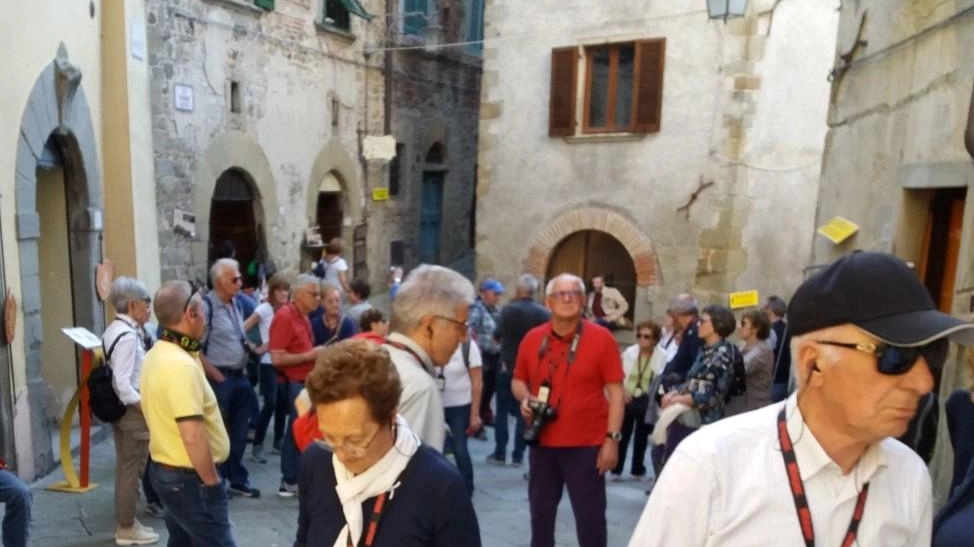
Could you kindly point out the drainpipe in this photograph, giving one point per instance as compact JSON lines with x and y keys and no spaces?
{"x":969,"y":134}
{"x":387,"y":59}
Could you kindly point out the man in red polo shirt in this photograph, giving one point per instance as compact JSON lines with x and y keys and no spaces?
{"x":573,"y":366}
{"x":293,"y":354}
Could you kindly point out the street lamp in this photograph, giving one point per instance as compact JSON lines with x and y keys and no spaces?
{"x":726,"y":9}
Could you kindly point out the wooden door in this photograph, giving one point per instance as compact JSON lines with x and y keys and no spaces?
{"x":232,"y":218}
{"x":591,"y":252}
{"x":430,"y":217}
{"x":330,"y":215}
{"x":941,"y":245}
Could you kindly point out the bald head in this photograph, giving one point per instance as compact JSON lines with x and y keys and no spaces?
{"x":170,"y":302}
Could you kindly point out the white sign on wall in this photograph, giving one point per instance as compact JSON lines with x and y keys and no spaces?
{"x":183,"y":97}
{"x":137,"y":39}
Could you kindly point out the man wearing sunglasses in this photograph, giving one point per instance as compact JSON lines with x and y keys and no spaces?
{"x":822,"y":468}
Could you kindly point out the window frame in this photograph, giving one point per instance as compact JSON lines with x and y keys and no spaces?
{"x":610,"y":127}
{"x":335,"y":25}
{"x":408,"y":30}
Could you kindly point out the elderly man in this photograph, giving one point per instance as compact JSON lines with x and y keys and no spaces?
{"x":517,"y":318}
{"x":293,"y":354}
{"x":429,"y":320}
{"x":606,"y":305}
{"x":568,"y":379}
{"x":865,"y":337}
{"x":483,"y":323}
{"x":126,"y":344}
{"x":187,"y":438}
{"x":225,"y":353}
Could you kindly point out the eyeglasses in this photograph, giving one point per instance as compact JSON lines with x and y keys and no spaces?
{"x":193,"y":289}
{"x":460,"y":324}
{"x":237,"y":278}
{"x":645,"y":336}
{"x":566,"y":295}
{"x":895,"y":360}
{"x":147,"y":300}
{"x":352,"y":450}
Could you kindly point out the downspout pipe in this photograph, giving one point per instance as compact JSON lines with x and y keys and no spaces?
{"x":969,"y":133}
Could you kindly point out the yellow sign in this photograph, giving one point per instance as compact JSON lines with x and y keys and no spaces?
{"x":380,"y":194}
{"x":838,"y":229}
{"x":744,"y":299}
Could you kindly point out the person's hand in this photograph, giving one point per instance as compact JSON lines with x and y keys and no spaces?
{"x":627,"y":398}
{"x":218,"y":377}
{"x":526,"y":411}
{"x":475,"y":422}
{"x":608,"y":456}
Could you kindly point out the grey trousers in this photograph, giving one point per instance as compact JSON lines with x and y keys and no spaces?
{"x":131,"y":453}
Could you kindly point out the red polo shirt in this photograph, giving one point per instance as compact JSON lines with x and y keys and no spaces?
{"x":578,"y":391}
{"x":291,"y":332}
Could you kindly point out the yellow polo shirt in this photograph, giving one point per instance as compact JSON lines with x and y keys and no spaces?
{"x":173,"y":387}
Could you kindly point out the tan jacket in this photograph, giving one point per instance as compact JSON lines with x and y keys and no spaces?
{"x":613,"y":303}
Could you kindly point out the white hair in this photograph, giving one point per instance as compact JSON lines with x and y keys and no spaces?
{"x":223,"y":264}
{"x":126,"y":290}
{"x":528,"y":284}
{"x":303,"y":280}
{"x":429,"y":290}
{"x":550,"y":287}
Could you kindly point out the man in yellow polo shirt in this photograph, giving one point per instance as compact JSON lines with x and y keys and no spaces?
{"x":187,"y":438}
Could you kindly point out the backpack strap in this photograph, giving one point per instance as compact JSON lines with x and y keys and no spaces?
{"x":465,"y":350}
{"x":111,"y":349}
{"x":209,"y":323}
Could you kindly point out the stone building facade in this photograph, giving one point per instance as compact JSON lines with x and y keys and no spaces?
{"x":647,"y":143}
{"x":260,"y":113}
{"x":898,"y":157}
{"x":434,"y":68}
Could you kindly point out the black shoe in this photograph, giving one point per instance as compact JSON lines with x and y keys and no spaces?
{"x":244,"y":490}
{"x":494,"y":460}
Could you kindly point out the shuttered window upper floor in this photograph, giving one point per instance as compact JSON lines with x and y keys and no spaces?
{"x":607,"y":88}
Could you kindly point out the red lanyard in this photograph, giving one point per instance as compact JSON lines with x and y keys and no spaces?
{"x":798,"y":491}
{"x":373,"y":522}
{"x":409,"y":350}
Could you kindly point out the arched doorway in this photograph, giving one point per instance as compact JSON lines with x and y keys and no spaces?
{"x":330,"y":208}
{"x":588,"y":253}
{"x":431,"y":207}
{"x":235,"y":219}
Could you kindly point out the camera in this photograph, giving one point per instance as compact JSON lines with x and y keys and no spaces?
{"x":543,"y":414}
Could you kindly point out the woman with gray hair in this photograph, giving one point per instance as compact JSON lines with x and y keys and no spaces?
{"x":125,"y":343}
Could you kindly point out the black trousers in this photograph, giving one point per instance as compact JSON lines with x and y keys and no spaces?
{"x":489,"y":376}
{"x":633,"y":424}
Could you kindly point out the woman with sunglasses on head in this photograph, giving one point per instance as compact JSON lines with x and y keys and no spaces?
{"x":637,"y":364}
{"x":370,"y":481}
{"x":754,"y":331}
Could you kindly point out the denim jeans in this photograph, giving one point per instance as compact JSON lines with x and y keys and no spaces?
{"x":147,"y":489}
{"x":196,"y":515}
{"x":289,"y":450}
{"x":268,"y":392}
{"x":458,"y":420}
{"x":507,"y":406}
{"x":17,"y":500}
{"x":233,"y":394}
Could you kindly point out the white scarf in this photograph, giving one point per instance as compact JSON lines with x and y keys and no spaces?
{"x":381,"y":477}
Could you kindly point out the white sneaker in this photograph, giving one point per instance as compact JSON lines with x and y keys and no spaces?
{"x":135,"y":535}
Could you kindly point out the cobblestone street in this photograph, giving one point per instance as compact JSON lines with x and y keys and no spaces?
{"x":82,"y":520}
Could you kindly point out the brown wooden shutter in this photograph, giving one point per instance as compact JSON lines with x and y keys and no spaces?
{"x":561,"y":109}
{"x":650,"y":57}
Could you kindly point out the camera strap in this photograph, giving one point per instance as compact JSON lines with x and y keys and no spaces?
{"x":545,"y":350}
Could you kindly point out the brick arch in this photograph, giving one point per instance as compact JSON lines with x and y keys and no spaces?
{"x":639,"y":245}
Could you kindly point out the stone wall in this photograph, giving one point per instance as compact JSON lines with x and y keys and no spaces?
{"x":291,"y":71}
{"x":697,"y":194}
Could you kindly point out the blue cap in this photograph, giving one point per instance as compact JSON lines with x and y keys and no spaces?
{"x":493,"y":285}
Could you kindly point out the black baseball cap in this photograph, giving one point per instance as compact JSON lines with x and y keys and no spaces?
{"x":878,"y":293}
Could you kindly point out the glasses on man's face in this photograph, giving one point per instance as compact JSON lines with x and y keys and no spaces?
{"x":350,"y":449}
{"x":147,"y":300}
{"x":193,"y":289}
{"x":460,"y":324}
{"x":645,"y":336}
{"x":566,"y":295}
{"x":237,"y":278}
{"x":895,"y":360}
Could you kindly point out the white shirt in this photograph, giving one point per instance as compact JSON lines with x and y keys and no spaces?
{"x":726,"y":486}
{"x":127,"y":357}
{"x":332,"y":269}
{"x":266,"y":313}
{"x":420,"y":402}
{"x":456,"y":377}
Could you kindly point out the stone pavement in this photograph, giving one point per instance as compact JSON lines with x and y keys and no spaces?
{"x":83,"y":520}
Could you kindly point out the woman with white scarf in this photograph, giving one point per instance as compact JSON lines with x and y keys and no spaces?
{"x":370,"y":482}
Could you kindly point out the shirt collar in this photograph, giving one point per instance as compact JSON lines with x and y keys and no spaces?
{"x":124,"y":318}
{"x":812,"y":458}
{"x":412,"y":345}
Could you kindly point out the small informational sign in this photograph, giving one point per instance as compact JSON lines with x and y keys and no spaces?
{"x":137,"y":39}
{"x":184,"y":223}
{"x":744,"y":299}
{"x":183,"y":97}
{"x":838,"y":230}
{"x":380,"y":194}
{"x":83,"y":337}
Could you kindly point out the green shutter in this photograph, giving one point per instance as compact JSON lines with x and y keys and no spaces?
{"x":265,"y":4}
{"x":415,"y":19}
{"x":355,"y":8}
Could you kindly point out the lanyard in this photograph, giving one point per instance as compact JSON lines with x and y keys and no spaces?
{"x":552,"y":366}
{"x":380,"y":503}
{"x":798,"y":491}
{"x":641,"y":369}
{"x":409,"y":350}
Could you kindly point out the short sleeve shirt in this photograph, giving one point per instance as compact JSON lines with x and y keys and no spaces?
{"x":290,"y":332}
{"x":332,"y":271}
{"x":174,"y":388}
{"x":266,"y":313}
{"x":577,"y":391}
{"x":456,"y":376}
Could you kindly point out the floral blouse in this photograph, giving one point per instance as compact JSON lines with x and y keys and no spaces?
{"x":709,"y":379}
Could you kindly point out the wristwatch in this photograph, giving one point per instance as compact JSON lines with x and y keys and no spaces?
{"x":614,"y":435}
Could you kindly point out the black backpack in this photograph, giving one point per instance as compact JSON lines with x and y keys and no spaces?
{"x":738,"y":384}
{"x":104,"y":401}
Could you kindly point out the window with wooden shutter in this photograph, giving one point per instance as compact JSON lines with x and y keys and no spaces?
{"x":650,"y":60}
{"x":561,"y":108}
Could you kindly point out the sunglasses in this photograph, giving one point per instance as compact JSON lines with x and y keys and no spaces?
{"x":193,"y":289}
{"x":645,"y":336}
{"x":894,"y":360}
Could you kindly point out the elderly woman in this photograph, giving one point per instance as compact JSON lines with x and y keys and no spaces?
{"x":370,"y":481}
{"x":125,"y":344}
{"x":709,"y":379}
{"x":637,"y":364}
{"x":328,"y":323}
{"x":758,"y":363}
